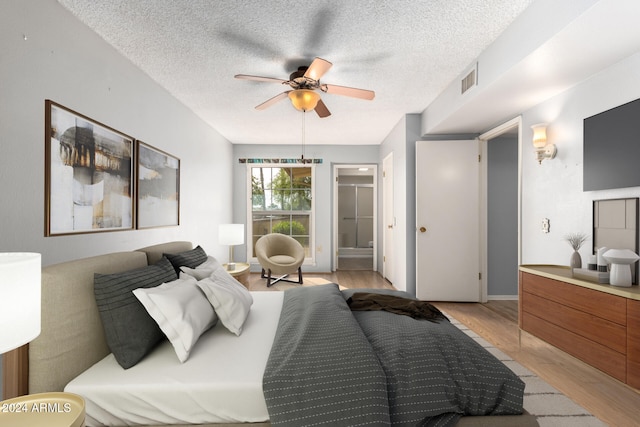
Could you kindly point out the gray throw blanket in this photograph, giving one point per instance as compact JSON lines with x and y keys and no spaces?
{"x":330,"y":366}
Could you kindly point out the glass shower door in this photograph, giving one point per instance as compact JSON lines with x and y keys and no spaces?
{"x":355,"y":227}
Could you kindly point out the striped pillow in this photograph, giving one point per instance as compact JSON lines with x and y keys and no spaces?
{"x":191,"y":258}
{"x":130,"y":331}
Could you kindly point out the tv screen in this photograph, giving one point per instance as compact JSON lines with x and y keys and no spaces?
{"x":612,"y":148}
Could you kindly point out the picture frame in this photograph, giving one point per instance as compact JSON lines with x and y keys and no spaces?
{"x":89,"y":181}
{"x":158,"y":187}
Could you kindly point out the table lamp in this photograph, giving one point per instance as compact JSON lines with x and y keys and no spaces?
{"x":20,"y":303}
{"x":231,"y":234}
{"x":19,"y":299}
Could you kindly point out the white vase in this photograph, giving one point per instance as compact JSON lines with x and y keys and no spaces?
{"x":621,"y":261}
{"x":620,"y":275}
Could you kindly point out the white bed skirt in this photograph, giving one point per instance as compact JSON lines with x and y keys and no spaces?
{"x":221,"y":382}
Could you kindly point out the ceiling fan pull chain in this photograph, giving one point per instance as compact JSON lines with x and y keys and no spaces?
{"x":303,"y":134}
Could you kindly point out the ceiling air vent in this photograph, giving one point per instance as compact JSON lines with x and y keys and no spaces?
{"x":470,"y":80}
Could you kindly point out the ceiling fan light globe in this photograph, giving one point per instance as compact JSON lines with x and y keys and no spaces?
{"x":304,"y":99}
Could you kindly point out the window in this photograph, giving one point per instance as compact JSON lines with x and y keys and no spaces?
{"x":281,"y":202}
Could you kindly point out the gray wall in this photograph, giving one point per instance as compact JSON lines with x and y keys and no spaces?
{"x":401,"y":141}
{"x":330,"y":155}
{"x":62,"y":60}
{"x":502,"y":216}
{"x":48,"y":54}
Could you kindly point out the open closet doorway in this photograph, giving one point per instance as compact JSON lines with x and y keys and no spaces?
{"x":355,"y":220}
{"x":502,"y":195}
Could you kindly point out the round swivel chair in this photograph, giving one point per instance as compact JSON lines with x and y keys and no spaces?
{"x":279,"y":255}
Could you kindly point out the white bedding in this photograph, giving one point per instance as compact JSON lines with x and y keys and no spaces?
{"x":220,"y":382}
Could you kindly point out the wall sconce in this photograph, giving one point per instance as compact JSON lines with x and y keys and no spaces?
{"x":543,"y":150}
{"x":230,"y":235}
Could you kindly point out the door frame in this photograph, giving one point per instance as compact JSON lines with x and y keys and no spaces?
{"x":484,"y":191}
{"x":388,"y":218}
{"x":335,"y":236}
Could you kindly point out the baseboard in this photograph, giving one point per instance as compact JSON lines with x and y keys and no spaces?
{"x":502,"y":297}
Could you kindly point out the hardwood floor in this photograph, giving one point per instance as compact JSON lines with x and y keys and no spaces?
{"x":346,"y":278}
{"x":610,"y":400}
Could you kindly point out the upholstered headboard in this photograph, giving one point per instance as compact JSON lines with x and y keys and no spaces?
{"x":154,"y":253}
{"x":72,"y":338}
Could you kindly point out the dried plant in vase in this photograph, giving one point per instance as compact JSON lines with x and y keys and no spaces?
{"x":576,"y":240}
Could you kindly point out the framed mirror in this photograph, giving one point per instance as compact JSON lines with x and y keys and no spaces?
{"x":615,"y":226}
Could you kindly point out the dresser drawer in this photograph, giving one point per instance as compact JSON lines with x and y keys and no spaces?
{"x":597,"y":355}
{"x":633,"y":343}
{"x":599,"y":304}
{"x":605,"y":332}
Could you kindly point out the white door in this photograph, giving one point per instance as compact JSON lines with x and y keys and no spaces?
{"x":448,"y":220}
{"x":388,"y":218}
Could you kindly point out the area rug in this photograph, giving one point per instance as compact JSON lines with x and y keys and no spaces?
{"x":306,"y":281}
{"x":550,"y":407}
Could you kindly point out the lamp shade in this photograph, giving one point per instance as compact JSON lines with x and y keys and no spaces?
{"x":539,"y":135}
{"x":231,"y":234}
{"x":304,"y":99}
{"x":19,"y":299}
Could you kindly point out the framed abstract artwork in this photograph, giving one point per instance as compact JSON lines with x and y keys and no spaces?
{"x":88,"y":174}
{"x":158,"y":188}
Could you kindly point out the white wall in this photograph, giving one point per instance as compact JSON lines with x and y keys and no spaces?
{"x":324,"y":180}
{"x":506,"y":60}
{"x":554,"y":189}
{"x":47,"y":54}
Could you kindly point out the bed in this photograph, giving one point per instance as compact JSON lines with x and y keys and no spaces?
{"x":301,"y":357}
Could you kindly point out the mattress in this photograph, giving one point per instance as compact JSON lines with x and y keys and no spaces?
{"x":221,"y":382}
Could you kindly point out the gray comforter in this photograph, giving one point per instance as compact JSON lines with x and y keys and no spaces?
{"x":331,"y":366}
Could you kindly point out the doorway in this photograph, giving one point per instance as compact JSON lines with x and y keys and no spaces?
{"x":355,"y":219}
{"x":501,"y":148}
{"x":491,"y":251}
{"x":388,"y":218}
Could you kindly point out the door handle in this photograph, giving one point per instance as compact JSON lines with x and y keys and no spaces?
{"x":423,"y":229}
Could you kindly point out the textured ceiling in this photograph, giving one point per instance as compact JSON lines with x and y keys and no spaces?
{"x":407,"y":51}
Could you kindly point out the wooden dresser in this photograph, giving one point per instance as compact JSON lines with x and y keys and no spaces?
{"x":598,"y":324}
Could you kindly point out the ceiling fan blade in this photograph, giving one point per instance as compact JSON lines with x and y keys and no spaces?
{"x":269,"y":102}
{"x":259,"y":78}
{"x":322,"y":109}
{"x":317,"y":68}
{"x":348,"y":91}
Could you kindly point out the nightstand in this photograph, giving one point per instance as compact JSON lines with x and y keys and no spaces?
{"x":240,"y":273}
{"x":56,"y":409}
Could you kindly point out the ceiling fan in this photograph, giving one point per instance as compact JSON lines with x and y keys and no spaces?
{"x":304,"y":82}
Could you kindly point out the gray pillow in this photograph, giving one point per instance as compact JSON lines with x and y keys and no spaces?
{"x":191,"y":258}
{"x":130,"y":331}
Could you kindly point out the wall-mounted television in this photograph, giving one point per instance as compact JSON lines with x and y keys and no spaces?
{"x":612,"y":148}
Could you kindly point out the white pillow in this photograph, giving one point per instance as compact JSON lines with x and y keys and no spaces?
{"x":181,"y":311}
{"x":229,"y":299}
{"x":203,"y":270}
{"x":211,"y":263}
